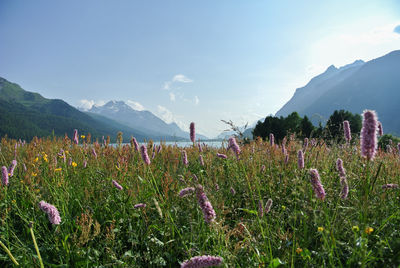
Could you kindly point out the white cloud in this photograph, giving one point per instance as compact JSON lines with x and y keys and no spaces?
{"x":196,"y":100}
{"x":87,"y":104}
{"x":135,"y":105}
{"x":172,"y":96}
{"x":361,"y":42}
{"x":167,"y":85}
{"x":181,"y":78}
{"x":168,"y":117}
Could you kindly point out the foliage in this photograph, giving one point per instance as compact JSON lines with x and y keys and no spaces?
{"x":100,"y":226}
{"x":334,"y":125}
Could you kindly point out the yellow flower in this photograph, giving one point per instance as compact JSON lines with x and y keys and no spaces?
{"x":74,"y":164}
{"x":34,"y":174}
{"x":57,"y":169}
{"x":45,"y":158}
{"x":283,"y":208}
{"x":36,"y":159}
{"x":66,"y":152}
{"x":299,"y":250}
{"x":355,"y":228}
{"x":117,"y":168}
{"x":82,"y":136}
{"x":369,"y":230}
{"x":320,"y":229}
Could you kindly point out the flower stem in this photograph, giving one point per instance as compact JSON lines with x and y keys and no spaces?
{"x":36,"y":246}
{"x":9,"y":253}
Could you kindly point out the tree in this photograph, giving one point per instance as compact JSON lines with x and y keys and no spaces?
{"x":334,"y":125}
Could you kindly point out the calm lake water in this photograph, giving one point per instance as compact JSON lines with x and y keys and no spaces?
{"x":183,"y":144}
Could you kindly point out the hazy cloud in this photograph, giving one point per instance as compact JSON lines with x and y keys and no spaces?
{"x":196,"y":100}
{"x":87,"y":104}
{"x":167,"y":116}
{"x":135,"y":105}
{"x":397,"y":29}
{"x":181,"y":78}
{"x":172,"y":96}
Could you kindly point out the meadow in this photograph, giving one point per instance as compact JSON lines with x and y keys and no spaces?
{"x":118,"y":211}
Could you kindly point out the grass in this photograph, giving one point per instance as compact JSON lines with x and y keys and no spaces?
{"x":101,"y":228}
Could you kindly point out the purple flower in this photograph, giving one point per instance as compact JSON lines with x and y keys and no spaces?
{"x":202,"y":261}
{"x":305,"y":144}
{"x":51,"y":211}
{"x":234,"y":146}
{"x":260,"y":209}
{"x":186,"y":191}
{"x":84,"y":163}
{"x":300,"y":159}
{"x":200,"y":148}
{"x":268,"y":206}
{"x":233,"y":192}
{"x":159,"y":148}
{"x":192,"y":132}
{"x":12,"y":167}
{"x":223,"y":156}
{"x":140,"y":205}
{"x":184,"y":158}
{"x":201,"y":160}
{"x":286,"y":158}
{"x":145,"y":156}
{"x":380,"y":129}
{"x":345,"y":188}
{"x":4,"y":175}
{"x":205,"y":205}
{"x":368,"y":135}
{"x":271,"y":139}
{"x":390,"y":186}
{"x":346,"y":129}
{"x":283,"y":148}
{"x":94,"y":153}
{"x":153,"y":155}
{"x":339,"y":167}
{"x":135,"y":143}
{"x":117,"y":185}
{"x":316,"y":184}
{"x":76,"y":139}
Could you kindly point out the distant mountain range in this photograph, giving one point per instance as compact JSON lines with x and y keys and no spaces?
{"x":361,"y":85}
{"x":26,"y":114}
{"x":144,"y":120}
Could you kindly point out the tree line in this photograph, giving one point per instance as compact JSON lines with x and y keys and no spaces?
{"x":303,"y":128}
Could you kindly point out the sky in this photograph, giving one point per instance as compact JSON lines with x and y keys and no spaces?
{"x":188,"y":61}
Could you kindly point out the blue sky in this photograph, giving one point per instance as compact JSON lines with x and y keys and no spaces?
{"x":187,"y":61}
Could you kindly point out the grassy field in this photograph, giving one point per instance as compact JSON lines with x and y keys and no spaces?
{"x":101,"y":227}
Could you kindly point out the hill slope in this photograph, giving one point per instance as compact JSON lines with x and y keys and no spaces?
{"x":371,"y":85}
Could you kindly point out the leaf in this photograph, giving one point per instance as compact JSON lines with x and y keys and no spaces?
{"x":275,"y":263}
{"x":249,"y":211}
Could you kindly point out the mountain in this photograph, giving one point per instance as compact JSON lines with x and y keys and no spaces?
{"x":144,"y":121}
{"x":26,"y":114}
{"x":362,"y":85}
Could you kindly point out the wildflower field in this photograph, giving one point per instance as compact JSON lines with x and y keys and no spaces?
{"x":256,"y":205}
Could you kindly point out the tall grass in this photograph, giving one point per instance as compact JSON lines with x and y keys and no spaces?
{"x":100,"y":225}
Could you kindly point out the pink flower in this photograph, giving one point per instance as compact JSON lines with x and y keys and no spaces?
{"x":186,"y":191}
{"x":271,"y":139}
{"x":117,"y":185}
{"x":12,"y":167}
{"x":368,"y":135}
{"x":76,"y":139}
{"x":145,"y":156}
{"x":202,"y":261}
{"x":192,"y":132}
{"x":4,"y":175}
{"x":51,"y":211}
{"x":140,"y":205}
{"x":380,"y":129}
{"x":339,"y":167}
{"x":300,"y":159}
{"x":135,"y":143}
{"x":390,"y":186}
{"x":223,"y":156}
{"x":234,"y":146}
{"x":184,"y":158}
{"x":345,"y":188}
{"x":346,"y":129}
{"x":205,"y":205}
{"x":316,"y":184}
{"x":201,"y":160}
